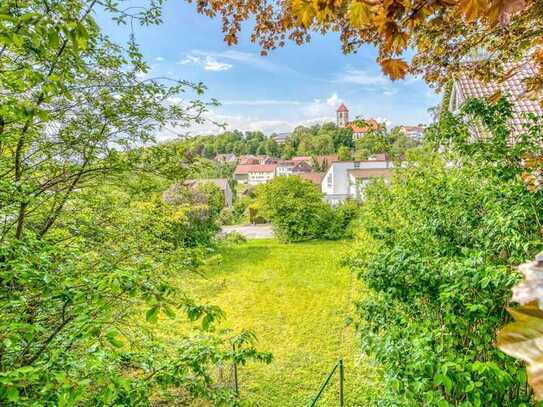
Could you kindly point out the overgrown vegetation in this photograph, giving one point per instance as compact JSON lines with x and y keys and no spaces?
{"x":437,"y":248}
{"x":297,"y":211}
{"x":88,"y":246}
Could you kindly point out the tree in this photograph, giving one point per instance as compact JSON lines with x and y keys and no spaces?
{"x":444,"y":33}
{"x":87,"y":244}
{"x":294,"y":206}
{"x":344,"y":154}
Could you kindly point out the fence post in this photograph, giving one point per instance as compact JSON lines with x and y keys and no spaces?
{"x":341,"y":379}
{"x":235,"y":367}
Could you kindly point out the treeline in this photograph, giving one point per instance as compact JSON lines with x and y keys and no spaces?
{"x":315,"y":140}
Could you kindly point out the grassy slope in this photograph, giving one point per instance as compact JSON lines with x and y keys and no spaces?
{"x":295,"y":298}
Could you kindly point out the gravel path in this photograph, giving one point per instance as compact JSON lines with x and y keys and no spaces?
{"x":250,"y":231}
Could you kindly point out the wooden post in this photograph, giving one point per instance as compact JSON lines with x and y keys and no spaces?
{"x":341,"y":379}
{"x":236,"y":385}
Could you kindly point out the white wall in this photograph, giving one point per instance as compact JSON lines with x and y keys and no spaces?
{"x":336,"y":181}
{"x":256,"y":178}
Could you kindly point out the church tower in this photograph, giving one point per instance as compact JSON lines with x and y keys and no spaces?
{"x":342,"y":116}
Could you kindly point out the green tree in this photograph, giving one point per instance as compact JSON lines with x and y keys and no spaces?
{"x":344,"y":154}
{"x":88,"y":246}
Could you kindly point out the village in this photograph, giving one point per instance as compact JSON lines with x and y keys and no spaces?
{"x":338,"y":180}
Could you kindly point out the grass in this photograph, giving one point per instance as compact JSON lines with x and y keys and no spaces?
{"x":296,"y":298}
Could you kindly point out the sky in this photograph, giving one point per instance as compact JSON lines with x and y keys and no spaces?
{"x":294,"y":85}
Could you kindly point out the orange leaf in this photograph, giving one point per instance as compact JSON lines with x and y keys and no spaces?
{"x":501,"y":11}
{"x":394,"y":68}
{"x":473,"y":9}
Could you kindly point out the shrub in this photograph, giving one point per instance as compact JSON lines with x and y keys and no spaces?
{"x":437,"y":248}
{"x":297,"y":211}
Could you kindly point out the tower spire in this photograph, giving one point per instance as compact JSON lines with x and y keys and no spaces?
{"x":342,"y":116}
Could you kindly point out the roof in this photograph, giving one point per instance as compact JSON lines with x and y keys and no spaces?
{"x":514,"y":86}
{"x":247,"y":168}
{"x":314,"y":177}
{"x":222,"y":183}
{"x":370,"y":173}
{"x":342,"y":108}
{"x":328,"y":159}
{"x":301,"y":158}
{"x":371,"y":124}
{"x":413,"y":128}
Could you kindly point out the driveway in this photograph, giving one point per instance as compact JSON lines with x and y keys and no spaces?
{"x":250,"y":231}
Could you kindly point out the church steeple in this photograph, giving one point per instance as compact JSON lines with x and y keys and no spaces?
{"x":342,"y":116}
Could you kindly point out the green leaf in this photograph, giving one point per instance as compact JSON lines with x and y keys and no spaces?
{"x":152,"y":314}
{"x":13,"y":394}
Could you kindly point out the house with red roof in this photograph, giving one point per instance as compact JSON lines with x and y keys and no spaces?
{"x":359,"y":127}
{"x":254,"y":174}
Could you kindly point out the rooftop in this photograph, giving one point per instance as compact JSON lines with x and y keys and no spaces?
{"x":247,"y":168}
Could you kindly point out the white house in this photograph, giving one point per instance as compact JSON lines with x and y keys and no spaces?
{"x":254,"y":174}
{"x":347,"y":179}
{"x":284,"y":168}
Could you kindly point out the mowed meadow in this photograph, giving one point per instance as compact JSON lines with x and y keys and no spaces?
{"x":297,"y":300}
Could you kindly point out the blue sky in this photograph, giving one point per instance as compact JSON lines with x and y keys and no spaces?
{"x":294,"y":85}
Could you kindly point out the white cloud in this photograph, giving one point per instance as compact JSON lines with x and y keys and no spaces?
{"x":208,"y":62}
{"x":323,"y":109}
{"x":245,"y":58}
{"x":159,"y":59}
{"x":361,"y":77}
{"x":212,"y":64}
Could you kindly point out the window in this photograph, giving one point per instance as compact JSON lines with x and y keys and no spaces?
{"x":329,"y":180}
{"x":356,"y":165}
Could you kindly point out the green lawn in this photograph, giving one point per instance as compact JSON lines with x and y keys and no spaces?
{"x":296,"y":299}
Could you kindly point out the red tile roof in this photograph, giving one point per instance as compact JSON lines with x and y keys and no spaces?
{"x":371,"y":124}
{"x":247,"y":168}
{"x":314,"y":177}
{"x":342,"y":108}
{"x":514,"y":87}
{"x":301,"y":158}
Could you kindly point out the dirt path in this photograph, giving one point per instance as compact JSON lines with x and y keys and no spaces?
{"x":250,"y":231}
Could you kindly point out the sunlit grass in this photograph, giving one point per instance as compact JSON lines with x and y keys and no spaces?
{"x":296,"y":299}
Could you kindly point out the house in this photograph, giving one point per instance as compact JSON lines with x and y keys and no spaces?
{"x":248,"y":159}
{"x":226,"y":158}
{"x":413,"y":132}
{"x":314,"y":177}
{"x":324,"y":161}
{"x":280,"y":138}
{"x":343,"y":180}
{"x":284,"y":168}
{"x":359,"y":127}
{"x":513,"y":86}
{"x":254,"y":174}
{"x":301,"y":166}
{"x":298,"y":159}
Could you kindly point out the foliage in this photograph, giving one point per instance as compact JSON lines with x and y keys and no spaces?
{"x":436,"y":248}
{"x":297,"y":211}
{"x":394,"y":144}
{"x":88,"y":248}
{"x":445,"y":34}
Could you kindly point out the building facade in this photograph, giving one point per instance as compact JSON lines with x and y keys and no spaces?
{"x":347,"y":179}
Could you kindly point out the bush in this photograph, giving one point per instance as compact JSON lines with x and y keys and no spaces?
{"x":297,"y":211}
{"x":437,"y":248}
